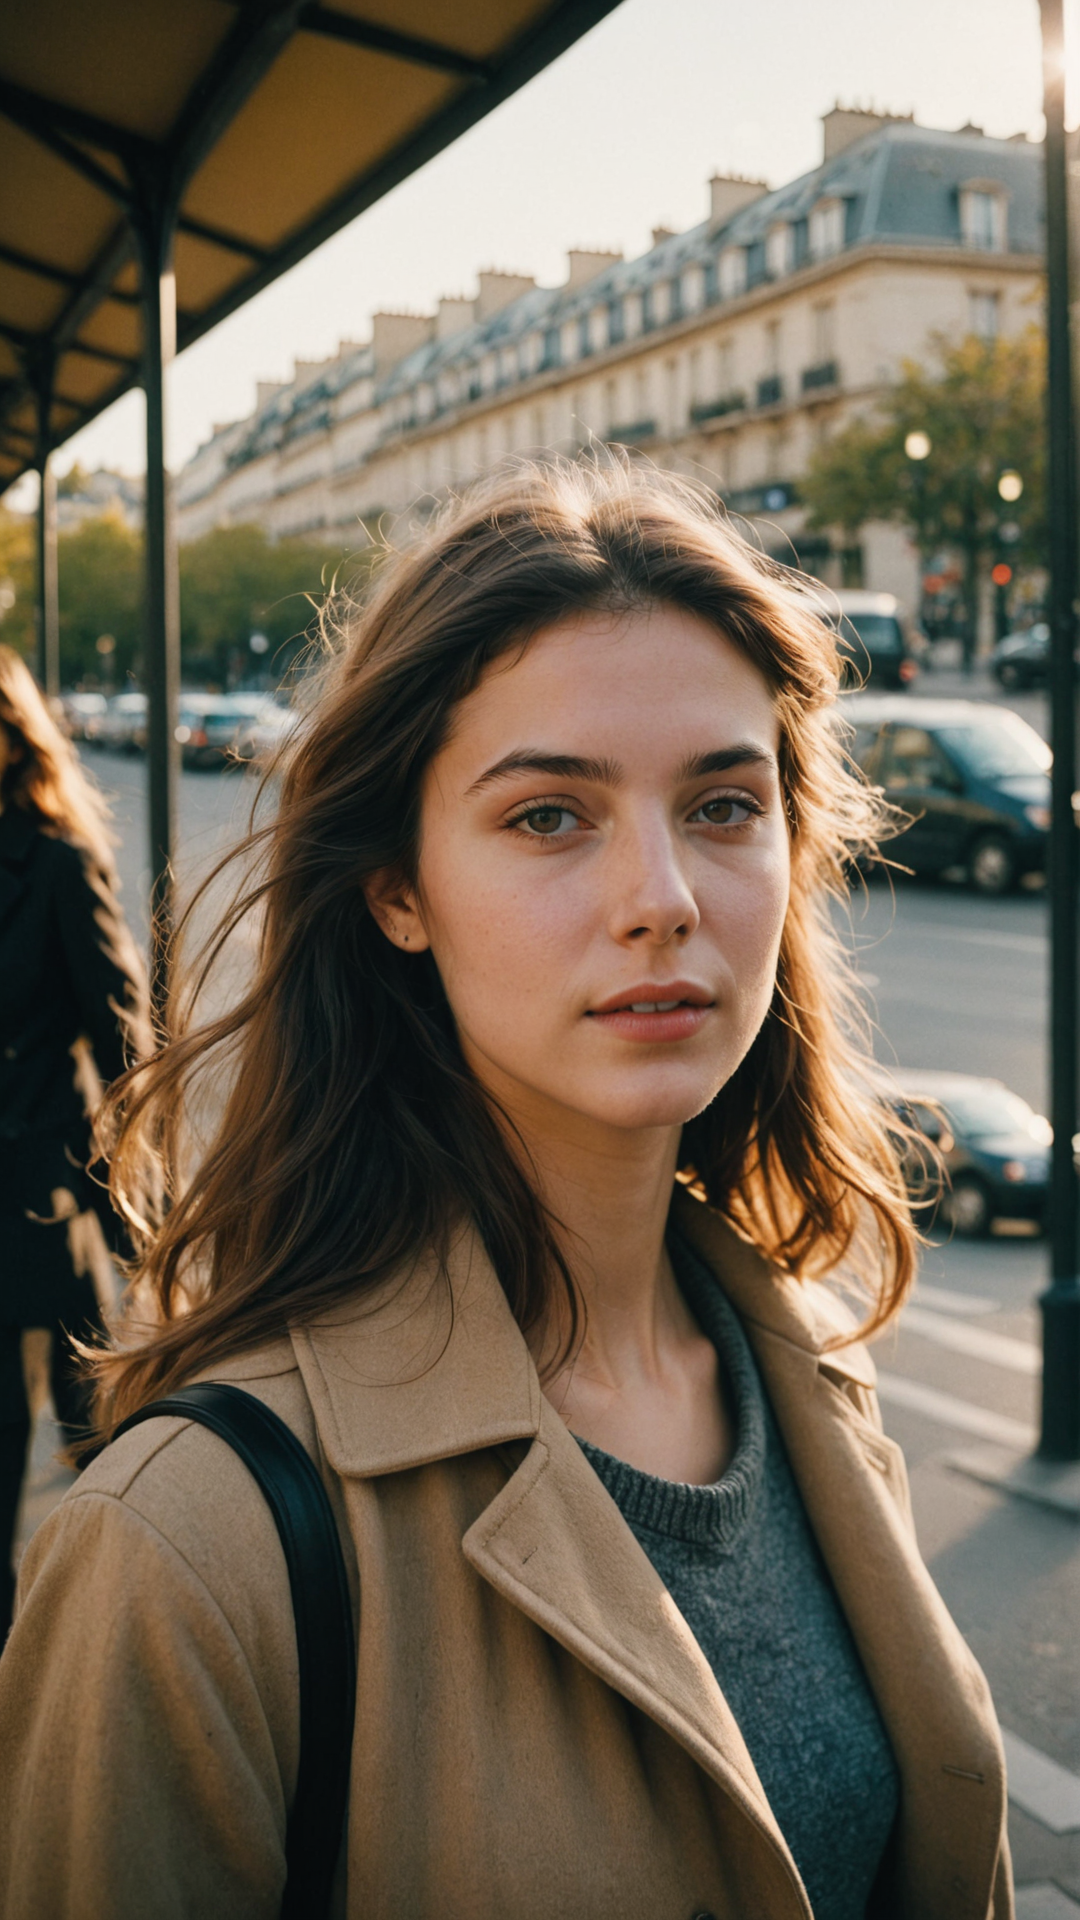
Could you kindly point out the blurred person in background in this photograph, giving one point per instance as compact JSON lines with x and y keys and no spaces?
{"x":543,"y":1144}
{"x":72,"y":1002}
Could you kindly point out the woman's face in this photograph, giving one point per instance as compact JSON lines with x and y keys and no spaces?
{"x":603,"y":871}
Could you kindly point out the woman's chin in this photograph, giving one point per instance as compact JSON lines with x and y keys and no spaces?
{"x":646,"y":1108}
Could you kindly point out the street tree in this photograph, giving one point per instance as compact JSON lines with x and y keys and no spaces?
{"x":981,"y":408}
{"x":99,"y":564}
{"x":234,"y":582}
{"x":17,"y":582}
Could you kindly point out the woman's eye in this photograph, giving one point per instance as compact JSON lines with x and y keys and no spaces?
{"x":725,"y":812}
{"x":546,"y":821}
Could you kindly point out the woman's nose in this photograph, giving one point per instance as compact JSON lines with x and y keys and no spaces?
{"x":652,"y":900}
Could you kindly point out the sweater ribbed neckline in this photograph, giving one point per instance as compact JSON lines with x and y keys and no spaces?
{"x":710,"y":1516}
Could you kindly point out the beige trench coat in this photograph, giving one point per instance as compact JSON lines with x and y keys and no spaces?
{"x":537,"y":1733}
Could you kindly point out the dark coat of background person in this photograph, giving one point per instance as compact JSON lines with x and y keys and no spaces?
{"x":68,"y":970}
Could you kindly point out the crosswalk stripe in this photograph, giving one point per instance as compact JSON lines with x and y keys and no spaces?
{"x":976,"y":1342}
{"x":1050,"y":1793}
{"x":944,"y":1300}
{"x":895,"y":1389}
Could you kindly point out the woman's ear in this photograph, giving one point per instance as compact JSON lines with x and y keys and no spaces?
{"x":393,"y":906}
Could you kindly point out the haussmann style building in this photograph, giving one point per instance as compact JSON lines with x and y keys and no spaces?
{"x":726,"y":352}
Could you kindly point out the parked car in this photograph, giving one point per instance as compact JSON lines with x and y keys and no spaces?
{"x":83,"y":713}
{"x":207,"y":727}
{"x":122,"y":727}
{"x":1022,"y":659}
{"x":264,"y":732}
{"x":974,"y":777}
{"x":877,"y":637}
{"x":991,"y":1147}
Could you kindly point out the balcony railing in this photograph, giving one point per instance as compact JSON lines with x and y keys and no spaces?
{"x":713,"y":409}
{"x":825,"y":374}
{"x":770,"y":390}
{"x":630,"y":435}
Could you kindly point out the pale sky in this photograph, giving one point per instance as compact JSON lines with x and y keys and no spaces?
{"x":617,"y":137}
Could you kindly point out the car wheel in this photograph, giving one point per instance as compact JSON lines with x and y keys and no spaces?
{"x":965,"y":1208}
{"x":1009,"y":676}
{"x":992,"y":866}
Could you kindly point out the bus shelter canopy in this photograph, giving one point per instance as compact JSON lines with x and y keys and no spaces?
{"x":259,"y":126}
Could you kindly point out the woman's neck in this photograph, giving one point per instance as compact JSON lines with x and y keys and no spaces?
{"x":609,"y":1192}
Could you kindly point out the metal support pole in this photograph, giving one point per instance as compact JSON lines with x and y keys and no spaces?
{"x":47,"y":585}
{"x":154,"y":227}
{"x":1060,"y":1304}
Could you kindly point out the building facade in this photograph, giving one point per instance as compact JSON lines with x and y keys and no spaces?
{"x":726,"y":352}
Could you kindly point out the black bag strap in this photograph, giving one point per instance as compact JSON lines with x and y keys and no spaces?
{"x":322,"y":1608}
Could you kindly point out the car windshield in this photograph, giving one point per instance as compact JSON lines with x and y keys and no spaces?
{"x":997,"y":748}
{"x":988,"y":1110}
{"x":879,"y":632}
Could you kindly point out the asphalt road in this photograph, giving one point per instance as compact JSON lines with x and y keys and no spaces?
{"x":952,"y":982}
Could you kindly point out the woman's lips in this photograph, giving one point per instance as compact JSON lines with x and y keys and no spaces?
{"x":654,"y":1019}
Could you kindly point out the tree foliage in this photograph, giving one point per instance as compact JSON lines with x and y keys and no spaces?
{"x":234,"y":582}
{"x":17,"y":581}
{"x":982,"y":407}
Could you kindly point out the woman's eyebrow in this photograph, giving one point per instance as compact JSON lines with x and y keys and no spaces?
{"x":557,"y":766}
{"x":746,"y":754}
{"x":608,"y":773}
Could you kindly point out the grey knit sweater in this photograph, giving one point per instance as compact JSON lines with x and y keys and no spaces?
{"x":742,"y":1565}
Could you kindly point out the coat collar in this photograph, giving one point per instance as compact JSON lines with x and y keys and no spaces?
{"x":434,"y":1364}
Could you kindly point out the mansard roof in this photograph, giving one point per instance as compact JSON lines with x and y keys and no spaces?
{"x":900,"y":183}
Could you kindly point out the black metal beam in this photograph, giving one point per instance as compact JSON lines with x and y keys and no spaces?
{"x":402,"y":46}
{"x":528,"y":57}
{"x":44,"y":269}
{"x":563,"y":25}
{"x":218,"y":237}
{"x":37,"y":114}
{"x":103,"y":353}
{"x":73,"y":157}
{"x":244,"y":57}
{"x":161,"y":601}
{"x":1060,"y":1304}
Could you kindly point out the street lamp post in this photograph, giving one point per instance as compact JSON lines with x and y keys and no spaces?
{"x":918,"y":446}
{"x":1060,"y":1304}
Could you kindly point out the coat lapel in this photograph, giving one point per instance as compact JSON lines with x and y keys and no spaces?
{"x":931,"y":1694}
{"x":433,"y":1365}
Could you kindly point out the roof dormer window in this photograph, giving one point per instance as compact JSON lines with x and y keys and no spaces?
{"x":826,"y":229}
{"x":693,"y":288}
{"x":732,"y":272}
{"x":984,"y":215}
{"x":779,"y":250}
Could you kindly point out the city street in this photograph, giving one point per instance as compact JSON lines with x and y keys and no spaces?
{"x":955,"y":982}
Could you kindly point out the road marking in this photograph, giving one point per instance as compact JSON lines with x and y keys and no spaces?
{"x":944,"y":1300}
{"x":1044,"y":1901}
{"x":996,"y":1348}
{"x":975,"y":936}
{"x":1051,"y":1794}
{"x":896,"y":1390}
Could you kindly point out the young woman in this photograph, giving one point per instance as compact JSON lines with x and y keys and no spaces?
{"x":68,"y":971}
{"x":542,"y":1135}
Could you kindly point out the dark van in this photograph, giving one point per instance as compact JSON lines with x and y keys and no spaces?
{"x":975,"y":779}
{"x":876,"y":638}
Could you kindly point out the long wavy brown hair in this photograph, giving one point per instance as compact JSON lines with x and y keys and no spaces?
{"x":352,"y":1136}
{"x":43,"y":775}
